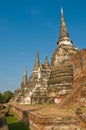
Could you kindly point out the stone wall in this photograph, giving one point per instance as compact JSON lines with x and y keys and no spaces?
{"x":3,"y":114}
{"x":22,"y":115}
{"x":3,"y":124}
{"x":79,"y":68}
{"x":44,"y":123}
{"x":39,"y":122}
{"x":79,"y":64}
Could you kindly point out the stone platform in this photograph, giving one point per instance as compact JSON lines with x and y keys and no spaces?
{"x":47,"y":117}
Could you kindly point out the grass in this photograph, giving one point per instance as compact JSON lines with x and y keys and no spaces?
{"x":15,"y":124}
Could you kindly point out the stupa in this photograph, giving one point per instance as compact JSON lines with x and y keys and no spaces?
{"x":48,"y":83}
{"x":61,"y":77}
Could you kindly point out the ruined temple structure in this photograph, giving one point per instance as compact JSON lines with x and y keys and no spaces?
{"x":56,"y":82}
{"x":34,"y":90}
{"x":61,"y":76}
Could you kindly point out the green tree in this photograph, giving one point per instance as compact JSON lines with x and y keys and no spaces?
{"x":7,"y":95}
{"x":1,"y":98}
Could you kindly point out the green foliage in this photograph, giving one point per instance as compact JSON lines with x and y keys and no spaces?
{"x":15,"y":124}
{"x":6,"y":96}
{"x":1,"y":98}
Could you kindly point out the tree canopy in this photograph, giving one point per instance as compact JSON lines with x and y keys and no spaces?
{"x":6,"y":96}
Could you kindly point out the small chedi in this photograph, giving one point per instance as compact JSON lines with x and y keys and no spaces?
{"x":34,"y":89}
{"x":63,"y":81}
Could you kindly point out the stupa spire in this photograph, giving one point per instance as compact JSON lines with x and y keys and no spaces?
{"x":46,"y":63}
{"x":37,"y":62}
{"x":61,"y":11}
{"x":25,"y":76}
{"x":63,"y":36}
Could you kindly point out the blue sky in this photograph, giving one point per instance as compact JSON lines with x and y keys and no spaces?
{"x":30,"y":25}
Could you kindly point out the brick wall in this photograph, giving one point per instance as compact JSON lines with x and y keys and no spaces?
{"x":38,"y":122}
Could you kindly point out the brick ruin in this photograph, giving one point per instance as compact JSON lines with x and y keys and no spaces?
{"x":65,"y":76}
{"x":56,"y":119}
{"x":3,"y":114}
